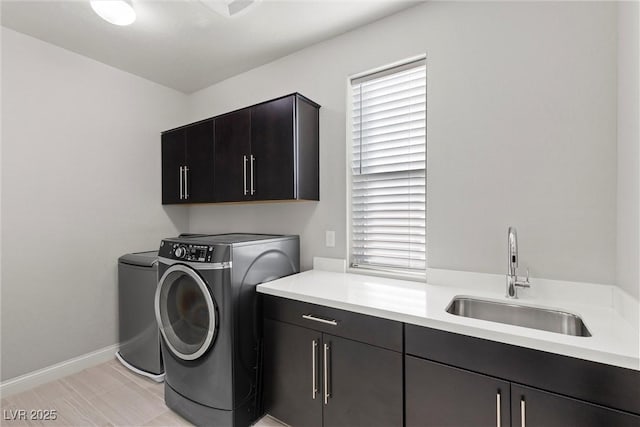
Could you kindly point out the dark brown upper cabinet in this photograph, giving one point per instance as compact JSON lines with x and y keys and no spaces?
{"x":266,"y":152}
{"x":187,"y":164}
{"x":173,"y":162}
{"x":231,"y":160}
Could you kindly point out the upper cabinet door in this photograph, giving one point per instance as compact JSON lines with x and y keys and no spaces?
{"x":198,"y":186}
{"x":271,"y":164}
{"x":173,"y":163}
{"x":232,"y":156}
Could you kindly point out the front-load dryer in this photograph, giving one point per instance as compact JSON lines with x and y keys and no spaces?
{"x":208,"y":312}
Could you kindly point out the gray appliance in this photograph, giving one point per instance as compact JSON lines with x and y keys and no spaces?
{"x":138,"y":331}
{"x":208,"y":312}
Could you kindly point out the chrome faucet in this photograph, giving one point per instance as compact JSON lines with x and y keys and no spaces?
{"x":513,"y":281}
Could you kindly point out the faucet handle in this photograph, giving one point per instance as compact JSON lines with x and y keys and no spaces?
{"x":525,"y":284}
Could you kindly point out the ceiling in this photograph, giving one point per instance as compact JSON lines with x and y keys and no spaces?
{"x":183,"y":44}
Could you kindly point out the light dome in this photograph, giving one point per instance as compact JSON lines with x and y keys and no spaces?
{"x":117,"y":12}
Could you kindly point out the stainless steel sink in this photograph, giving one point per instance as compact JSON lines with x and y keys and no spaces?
{"x":520,"y":315}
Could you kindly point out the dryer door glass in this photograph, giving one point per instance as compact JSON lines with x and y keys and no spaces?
{"x":186,"y":312}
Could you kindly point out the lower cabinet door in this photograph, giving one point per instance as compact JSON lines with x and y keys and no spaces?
{"x":363,"y":384}
{"x":440,"y":395}
{"x":292,"y":367}
{"x":531,"y":407}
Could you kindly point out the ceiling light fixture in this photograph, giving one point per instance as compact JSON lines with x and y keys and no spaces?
{"x":117,"y":12}
{"x":229,"y":8}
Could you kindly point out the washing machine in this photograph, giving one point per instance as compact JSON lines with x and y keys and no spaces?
{"x":138,"y":334}
{"x":209,"y":316}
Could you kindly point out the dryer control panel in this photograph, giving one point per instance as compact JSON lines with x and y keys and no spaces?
{"x":186,"y":251}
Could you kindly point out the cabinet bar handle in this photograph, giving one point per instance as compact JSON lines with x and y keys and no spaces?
{"x":186,"y":185}
{"x":181,"y":194}
{"x":244,"y":175}
{"x":252,"y":180}
{"x":523,"y":417}
{"x":314,"y":371}
{"x":498,"y":420}
{"x":317,"y":319}
{"x":327,"y":394}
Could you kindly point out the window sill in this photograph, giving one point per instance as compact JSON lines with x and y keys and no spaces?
{"x":391,"y":274}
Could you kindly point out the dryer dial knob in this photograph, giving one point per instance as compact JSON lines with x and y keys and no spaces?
{"x":180,"y":252}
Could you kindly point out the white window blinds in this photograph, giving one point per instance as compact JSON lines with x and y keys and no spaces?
{"x":388,"y":179}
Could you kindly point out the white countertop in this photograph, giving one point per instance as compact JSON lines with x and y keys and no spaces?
{"x":609,"y":314}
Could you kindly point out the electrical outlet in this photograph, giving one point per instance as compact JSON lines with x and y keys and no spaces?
{"x":330,"y":238}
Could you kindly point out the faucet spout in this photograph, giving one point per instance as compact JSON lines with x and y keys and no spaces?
{"x":513,"y":282}
{"x":512,"y":242}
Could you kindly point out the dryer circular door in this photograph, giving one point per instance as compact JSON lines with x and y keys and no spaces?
{"x":186,"y":312}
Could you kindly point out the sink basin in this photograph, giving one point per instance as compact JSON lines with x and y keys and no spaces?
{"x":545,"y":319}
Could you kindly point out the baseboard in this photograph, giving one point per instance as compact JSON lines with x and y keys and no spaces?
{"x":57,"y":371}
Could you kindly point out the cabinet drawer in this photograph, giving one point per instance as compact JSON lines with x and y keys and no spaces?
{"x":368,"y":329}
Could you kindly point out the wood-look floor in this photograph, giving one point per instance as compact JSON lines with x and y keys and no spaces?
{"x":105,"y":395}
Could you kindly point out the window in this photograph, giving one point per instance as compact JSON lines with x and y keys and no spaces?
{"x":388,"y":169}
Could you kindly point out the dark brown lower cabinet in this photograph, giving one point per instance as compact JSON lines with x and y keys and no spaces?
{"x":441,"y":395}
{"x":438,"y":395}
{"x":363,"y":384}
{"x":326,"y":367}
{"x":532,"y":407}
{"x":290,"y":364}
{"x":451,"y":380}
{"x":317,"y":379}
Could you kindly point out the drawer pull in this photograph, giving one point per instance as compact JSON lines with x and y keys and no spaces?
{"x":181,"y":184}
{"x":314,"y":385}
{"x":186,"y":183}
{"x":523,"y":416}
{"x":244,"y":176}
{"x":327,"y":392}
{"x":318,"y":319}
{"x":253,"y":191}
{"x":498,"y":420}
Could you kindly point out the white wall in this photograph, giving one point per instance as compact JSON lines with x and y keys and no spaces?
{"x":628,"y":248}
{"x":521,"y":131}
{"x":80,"y":187}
